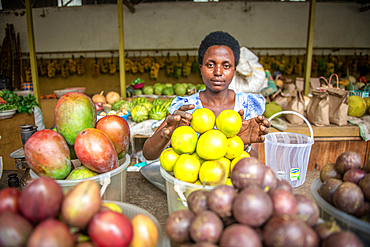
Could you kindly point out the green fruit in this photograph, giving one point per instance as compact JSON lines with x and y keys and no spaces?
{"x":157,"y":101}
{"x":158,"y":89}
{"x":356,"y":106}
{"x":81,"y":173}
{"x":127,"y":104}
{"x":367,"y":100}
{"x":139,"y":113}
{"x":200,"y":87}
{"x":158,"y":112}
{"x":74,"y":112}
{"x":168,"y":91}
{"x":271,"y":109}
{"x":140,"y":100}
{"x":147,"y":105}
{"x":180,"y":90}
{"x":138,"y":92}
{"x":167,"y":104}
{"x":148,"y":90}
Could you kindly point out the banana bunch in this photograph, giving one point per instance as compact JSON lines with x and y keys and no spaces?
{"x":112,"y":67}
{"x":147,"y":62}
{"x":127,"y":64}
{"x":28,"y":74}
{"x":170,"y":69}
{"x":72,"y":65}
{"x":81,"y":66}
{"x":154,"y":70}
{"x":289,"y":67}
{"x":177,"y":71}
{"x":266,"y":62}
{"x":195,"y":65}
{"x":65,"y":69}
{"x":330,"y":66}
{"x":51,"y":68}
{"x":162,"y":62}
{"x":298,"y":65}
{"x":58,"y":66}
{"x":96,"y":68}
{"x":134,"y":67}
{"x":43,"y":67}
{"x":104,"y":68}
{"x":187,"y":67}
{"x":141,"y":67}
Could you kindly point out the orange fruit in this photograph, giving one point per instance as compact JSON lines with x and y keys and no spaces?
{"x":235,"y":147}
{"x":168,"y":159}
{"x":226,"y":162}
{"x":212,"y":172}
{"x":187,"y":168}
{"x":229,"y":122}
{"x":203,"y":119}
{"x":184,"y":140}
{"x":212,"y":145}
{"x":245,"y":154}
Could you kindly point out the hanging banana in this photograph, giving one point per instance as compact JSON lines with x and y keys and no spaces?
{"x":134,"y":67}
{"x":298,"y":66}
{"x":112,"y":67}
{"x":154,"y":70}
{"x":43,"y":67}
{"x":289,"y":67}
{"x":58,"y":66}
{"x":195,"y":65}
{"x":177,"y":72}
{"x":141,"y":66}
{"x":147,"y":62}
{"x":51,"y":68}
{"x":127,"y":64}
{"x":104,"y":68}
{"x":80,"y":65}
{"x":187,"y":67}
{"x":96,"y":68}
{"x":72,"y":65}
{"x":65,"y":69}
{"x":162,"y":62}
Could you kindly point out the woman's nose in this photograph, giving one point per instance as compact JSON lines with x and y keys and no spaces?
{"x":218,"y":70}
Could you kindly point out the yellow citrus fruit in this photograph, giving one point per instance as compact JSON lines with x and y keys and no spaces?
{"x":184,"y":140}
{"x":197,"y":156}
{"x":112,"y":206}
{"x":203,"y":119}
{"x":212,"y":145}
{"x":245,"y":154}
{"x":226,"y":162}
{"x":187,"y":168}
{"x":168,"y":159}
{"x":235,"y":147}
{"x":228,"y":182}
{"x":212,"y":172}
{"x":229,"y":122}
{"x":234,"y":161}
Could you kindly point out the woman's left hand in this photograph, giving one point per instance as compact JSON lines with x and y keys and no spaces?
{"x":253,"y":130}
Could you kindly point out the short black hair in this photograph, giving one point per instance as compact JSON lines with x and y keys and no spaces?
{"x":219,"y":38}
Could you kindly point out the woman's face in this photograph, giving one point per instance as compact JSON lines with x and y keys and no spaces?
{"x":218,"y":68}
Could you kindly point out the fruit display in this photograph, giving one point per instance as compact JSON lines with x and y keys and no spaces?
{"x":346,"y":185}
{"x":202,"y":154}
{"x":252,"y":212}
{"x":41,"y":215}
{"x":99,"y":145}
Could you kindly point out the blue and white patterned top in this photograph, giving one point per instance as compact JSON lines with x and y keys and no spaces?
{"x":253,"y":104}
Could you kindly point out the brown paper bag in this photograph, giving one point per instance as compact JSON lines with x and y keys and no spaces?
{"x":297,"y":105}
{"x":338,"y":107}
{"x":314,"y":84}
{"x":281,"y":99}
{"x":289,"y":86}
{"x":318,"y":108}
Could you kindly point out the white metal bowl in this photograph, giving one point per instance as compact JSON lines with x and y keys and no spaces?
{"x":7,"y":113}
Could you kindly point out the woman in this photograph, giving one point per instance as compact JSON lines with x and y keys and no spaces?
{"x":218,"y":56}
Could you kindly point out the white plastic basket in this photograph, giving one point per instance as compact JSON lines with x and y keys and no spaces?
{"x":288,"y":154}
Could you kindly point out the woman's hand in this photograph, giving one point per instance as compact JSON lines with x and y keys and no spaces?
{"x":179,"y":118}
{"x":253,"y":130}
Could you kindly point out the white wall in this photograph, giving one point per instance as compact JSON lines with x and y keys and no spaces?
{"x":182,"y":25}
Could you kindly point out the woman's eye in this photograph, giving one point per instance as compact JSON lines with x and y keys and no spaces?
{"x":210,"y":65}
{"x":227,"y":66}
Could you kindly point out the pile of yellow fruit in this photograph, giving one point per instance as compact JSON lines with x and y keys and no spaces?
{"x":209,"y":158}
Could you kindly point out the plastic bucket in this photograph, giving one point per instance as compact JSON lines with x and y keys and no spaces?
{"x":288,"y":154}
{"x":131,"y":211}
{"x":112,"y":184}
{"x":178,"y":191}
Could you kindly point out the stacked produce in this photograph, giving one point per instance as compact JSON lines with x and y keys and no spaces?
{"x":202,"y":154}
{"x":257,"y":210}
{"x":346,"y":185}
{"x":41,"y":215}
{"x":168,"y":89}
{"x":98,"y":145}
{"x":10,"y":100}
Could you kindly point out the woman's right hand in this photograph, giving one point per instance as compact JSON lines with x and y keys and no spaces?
{"x":179,"y":118}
